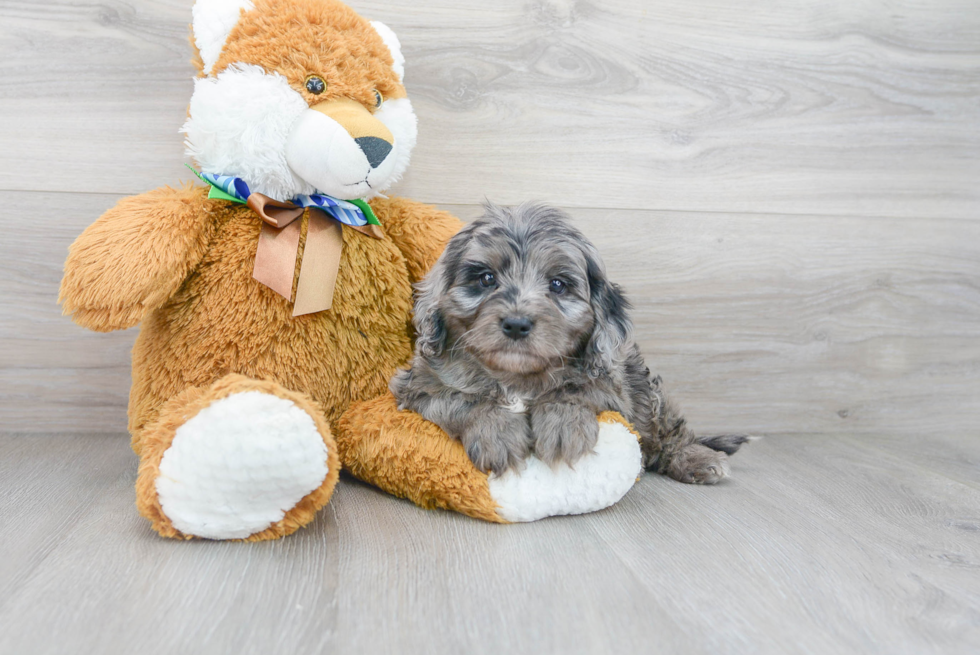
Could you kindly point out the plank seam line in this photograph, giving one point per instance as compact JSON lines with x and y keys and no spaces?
{"x":572,"y":208}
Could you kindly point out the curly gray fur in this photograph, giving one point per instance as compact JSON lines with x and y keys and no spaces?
{"x":522,"y":341}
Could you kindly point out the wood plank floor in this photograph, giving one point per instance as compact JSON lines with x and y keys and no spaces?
{"x":816,"y":545}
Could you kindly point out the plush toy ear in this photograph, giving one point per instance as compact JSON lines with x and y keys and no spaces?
{"x":393,"y":44}
{"x":213,"y":22}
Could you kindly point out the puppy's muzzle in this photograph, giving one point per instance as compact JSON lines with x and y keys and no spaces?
{"x":517,"y":327}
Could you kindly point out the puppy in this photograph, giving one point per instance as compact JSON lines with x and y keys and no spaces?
{"x":522,"y":341}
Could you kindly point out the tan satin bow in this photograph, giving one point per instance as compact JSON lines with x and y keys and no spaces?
{"x":275,"y":258}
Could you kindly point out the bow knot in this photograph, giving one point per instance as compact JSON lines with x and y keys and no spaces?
{"x":278,"y":248}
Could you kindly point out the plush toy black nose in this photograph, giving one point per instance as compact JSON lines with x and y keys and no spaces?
{"x":516,"y":327}
{"x":374,"y":149}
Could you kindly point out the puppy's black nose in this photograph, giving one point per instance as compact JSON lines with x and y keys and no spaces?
{"x":516,"y":327}
{"x":374,"y":149}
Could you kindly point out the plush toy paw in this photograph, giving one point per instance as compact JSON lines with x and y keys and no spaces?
{"x":595,"y":481}
{"x":409,"y":457}
{"x":244,"y":459}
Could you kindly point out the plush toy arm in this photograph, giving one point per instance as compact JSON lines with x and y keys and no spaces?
{"x":419,"y":231}
{"x":134,"y":257}
{"x":410,"y":457}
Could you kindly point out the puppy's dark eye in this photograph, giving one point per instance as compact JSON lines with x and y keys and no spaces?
{"x":488,"y":280}
{"x":378,"y":99}
{"x":315,"y":85}
{"x":557,"y":287}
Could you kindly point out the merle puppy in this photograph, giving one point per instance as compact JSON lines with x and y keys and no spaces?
{"x":522,"y":341}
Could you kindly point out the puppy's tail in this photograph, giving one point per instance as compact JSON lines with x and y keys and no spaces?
{"x":726,"y":443}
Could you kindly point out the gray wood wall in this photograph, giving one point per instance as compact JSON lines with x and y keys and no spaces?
{"x":789,"y":191}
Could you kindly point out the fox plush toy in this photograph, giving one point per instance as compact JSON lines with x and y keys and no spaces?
{"x":278,"y":293}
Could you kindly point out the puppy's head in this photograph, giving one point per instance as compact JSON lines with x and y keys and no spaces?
{"x":523,"y":291}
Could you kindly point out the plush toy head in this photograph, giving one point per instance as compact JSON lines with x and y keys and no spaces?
{"x":297,"y":97}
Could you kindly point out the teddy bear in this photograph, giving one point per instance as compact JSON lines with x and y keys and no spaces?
{"x":275,"y":298}
{"x":281,"y":291}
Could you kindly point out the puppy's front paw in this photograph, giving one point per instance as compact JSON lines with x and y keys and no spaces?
{"x":497,"y":440}
{"x":697,"y":464}
{"x":563,"y":432}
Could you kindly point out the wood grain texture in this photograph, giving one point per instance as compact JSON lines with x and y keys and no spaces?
{"x":93,"y":578}
{"x":849,"y":108}
{"x":761,"y":323}
{"x":816,"y":545}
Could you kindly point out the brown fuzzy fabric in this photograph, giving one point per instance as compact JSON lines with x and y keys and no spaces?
{"x":196,"y":60}
{"x":131,"y":262}
{"x":327,"y":38}
{"x":616,"y":417}
{"x":403,"y":454}
{"x":183,"y":265}
{"x":135,"y":256}
{"x":406,"y":456}
{"x":185,"y":406}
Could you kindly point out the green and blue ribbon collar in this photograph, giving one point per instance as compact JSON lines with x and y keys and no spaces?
{"x":355,"y":213}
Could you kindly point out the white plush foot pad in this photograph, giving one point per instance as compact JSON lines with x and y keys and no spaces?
{"x":597,"y":481}
{"x":239,"y":465}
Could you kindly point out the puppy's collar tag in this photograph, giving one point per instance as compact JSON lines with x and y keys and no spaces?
{"x":278,"y":248}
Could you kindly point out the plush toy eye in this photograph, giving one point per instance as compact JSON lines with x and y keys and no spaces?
{"x":488,"y":280}
{"x":378,"y":99}
{"x":315,"y":85}
{"x":557,"y":287}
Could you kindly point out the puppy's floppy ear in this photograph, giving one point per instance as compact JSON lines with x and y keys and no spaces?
{"x":613,"y":329}
{"x":430,"y":324}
